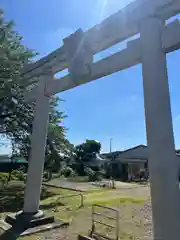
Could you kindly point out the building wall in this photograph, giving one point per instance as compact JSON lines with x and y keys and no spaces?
{"x":136,"y":167}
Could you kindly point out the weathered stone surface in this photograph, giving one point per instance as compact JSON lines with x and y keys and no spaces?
{"x":82,"y":237}
{"x":10,"y":232}
{"x":11,"y":219}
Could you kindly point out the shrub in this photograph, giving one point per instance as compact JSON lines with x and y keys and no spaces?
{"x":18,"y":174}
{"x":74,"y":174}
{"x":67,"y":172}
{"x":93,"y":175}
{"x":3,"y":181}
{"x":90,"y":173}
{"x":79,"y":168}
{"x":47,"y":175}
{"x":3,"y":178}
{"x":98,"y":176}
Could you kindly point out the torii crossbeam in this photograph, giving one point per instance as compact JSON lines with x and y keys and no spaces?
{"x":146,"y":17}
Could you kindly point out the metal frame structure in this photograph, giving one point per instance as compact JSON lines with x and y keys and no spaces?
{"x":70,"y":196}
{"x":157,"y":38}
{"x":98,"y":214}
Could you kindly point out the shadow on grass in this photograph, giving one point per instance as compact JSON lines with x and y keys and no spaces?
{"x":12,"y":198}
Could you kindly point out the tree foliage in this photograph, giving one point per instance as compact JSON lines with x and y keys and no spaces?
{"x":86,"y":153}
{"x":88,"y":149}
{"x":16,"y":115}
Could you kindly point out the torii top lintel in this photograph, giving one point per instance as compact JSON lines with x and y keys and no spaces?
{"x":117,"y":27}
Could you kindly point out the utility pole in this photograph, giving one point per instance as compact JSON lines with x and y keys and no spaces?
{"x":110,"y":150}
{"x":110,"y":145}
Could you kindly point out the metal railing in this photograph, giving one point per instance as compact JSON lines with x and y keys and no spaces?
{"x":71,"y":195}
{"x":113,"y":218}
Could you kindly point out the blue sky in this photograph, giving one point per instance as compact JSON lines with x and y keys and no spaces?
{"x":109,"y":107}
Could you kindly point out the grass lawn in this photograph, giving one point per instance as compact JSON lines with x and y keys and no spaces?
{"x":135,"y":211}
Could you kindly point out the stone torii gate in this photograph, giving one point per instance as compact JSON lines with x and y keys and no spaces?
{"x":146,"y":17}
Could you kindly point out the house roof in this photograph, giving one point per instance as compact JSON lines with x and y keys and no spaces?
{"x":138,"y":146}
{"x":129,"y":149}
{"x":138,"y":153}
{"x":112,"y":154}
{"x":117,"y":153}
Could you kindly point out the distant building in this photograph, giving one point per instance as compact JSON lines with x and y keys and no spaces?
{"x":7,"y":163}
{"x":131,"y":161}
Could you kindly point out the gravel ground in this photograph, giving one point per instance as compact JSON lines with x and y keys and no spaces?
{"x":135,"y":223}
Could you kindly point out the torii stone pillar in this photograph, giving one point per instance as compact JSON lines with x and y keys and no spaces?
{"x":163,"y":165}
{"x":38,"y":144}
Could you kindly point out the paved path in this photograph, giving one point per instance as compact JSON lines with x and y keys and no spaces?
{"x":86,"y":186}
{"x":76,"y":186}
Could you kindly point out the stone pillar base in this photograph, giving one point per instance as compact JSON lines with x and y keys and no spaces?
{"x":29,"y":220}
{"x":22,"y":224}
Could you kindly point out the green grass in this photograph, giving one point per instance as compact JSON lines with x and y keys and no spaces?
{"x":66,"y":208}
{"x":69,"y":207}
{"x":5,"y":176}
{"x":118,"y":200}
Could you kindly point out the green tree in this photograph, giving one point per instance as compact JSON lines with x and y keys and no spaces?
{"x":88,"y":149}
{"x":86,"y":153}
{"x":15,"y":114}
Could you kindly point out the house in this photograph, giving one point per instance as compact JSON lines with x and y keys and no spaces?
{"x":134,"y":161}
{"x":131,"y":161}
